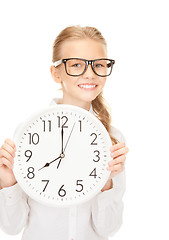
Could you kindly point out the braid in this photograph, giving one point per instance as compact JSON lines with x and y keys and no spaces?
{"x":103,"y":113}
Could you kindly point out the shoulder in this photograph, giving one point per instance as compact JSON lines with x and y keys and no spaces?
{"x":116,"y":133}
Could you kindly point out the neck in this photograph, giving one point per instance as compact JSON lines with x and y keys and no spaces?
{"x":84,"y":105}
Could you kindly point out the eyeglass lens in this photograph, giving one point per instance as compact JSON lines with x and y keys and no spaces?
{"x":76,"y":67}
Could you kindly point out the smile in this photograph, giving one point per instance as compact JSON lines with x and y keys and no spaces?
{"x":87,"y":86}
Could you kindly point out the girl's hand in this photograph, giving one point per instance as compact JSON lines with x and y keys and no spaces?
{"x":7,"y":154}
{"x":116,"y":165}
{"x":118,"y":153}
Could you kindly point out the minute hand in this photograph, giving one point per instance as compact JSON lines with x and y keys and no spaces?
{"x":62,"y":139}
{"x":69,"y":137}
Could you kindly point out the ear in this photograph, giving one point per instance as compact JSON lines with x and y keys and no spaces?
{"x":55,"y":74}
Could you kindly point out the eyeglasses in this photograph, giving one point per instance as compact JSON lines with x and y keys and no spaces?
{"x":78,"y":66}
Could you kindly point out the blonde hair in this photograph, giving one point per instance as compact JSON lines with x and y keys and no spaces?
{"x":100,"y":106}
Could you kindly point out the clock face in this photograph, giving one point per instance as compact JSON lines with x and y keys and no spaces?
{"x":62,"y":156}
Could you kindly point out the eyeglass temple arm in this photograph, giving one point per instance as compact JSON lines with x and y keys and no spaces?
{"x":57,"y":63}
{"x":110,"y":64}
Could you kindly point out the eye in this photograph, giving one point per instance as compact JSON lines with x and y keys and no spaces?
{"x":76,"y":65}
{"x":98,"y":65}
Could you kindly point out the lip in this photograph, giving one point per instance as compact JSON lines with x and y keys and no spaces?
{"x":88,"y":84}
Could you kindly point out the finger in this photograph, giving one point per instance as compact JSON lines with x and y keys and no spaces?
{"x":5,"y":162}
{"x":9,"y":149}
{"x":114,"y":173}
{"x":116,"y":168}
{"x":119,"y":152}
{"x":117,"y":146}
{"x":1,"y":163}
{"x":120,"y":159}
{"x":11,"y":143}
{"x":5,"y":154}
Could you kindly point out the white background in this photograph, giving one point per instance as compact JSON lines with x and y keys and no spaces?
{"x":137,"y":37}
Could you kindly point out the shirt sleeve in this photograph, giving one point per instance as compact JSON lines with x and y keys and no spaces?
{"x":14,"y":209}
{"x":107,"y":207}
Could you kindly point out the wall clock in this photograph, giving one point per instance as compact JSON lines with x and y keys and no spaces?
{"x":62,"y":155}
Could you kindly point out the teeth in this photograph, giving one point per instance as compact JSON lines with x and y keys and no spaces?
{"x":87,"y":86}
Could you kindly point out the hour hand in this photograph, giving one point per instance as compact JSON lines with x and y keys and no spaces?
{"x":48,"y":164}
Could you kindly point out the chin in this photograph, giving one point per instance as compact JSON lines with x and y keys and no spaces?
{"x":89,"y":99}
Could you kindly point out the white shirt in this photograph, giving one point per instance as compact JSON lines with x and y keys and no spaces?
{"x":96,"y":219}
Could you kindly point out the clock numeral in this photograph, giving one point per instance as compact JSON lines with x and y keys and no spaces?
{"x":46,"y":184}
{"x":97,"y":155}
{"x":95,"y":137}
{"x":31,"y":174}
{"x":33,"y":138}
{"x":79,"y":185}
{"x":28,"y":154}
{"x":80,"y":125}
{"x":45,"y":125}
{"x":93,"y":173}
{"x":62,"y":191}
{"x":63,"y":123}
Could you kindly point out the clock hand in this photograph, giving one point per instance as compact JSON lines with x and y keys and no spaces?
{"x":65,"y":146}
{"x":69,"y":137}
{"x":48,"y":164}
{"x":62,"y":138}
{"x":62,"y":147}
{"x":62,"y":154}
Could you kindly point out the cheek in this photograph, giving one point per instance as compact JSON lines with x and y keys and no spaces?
{"x":63,"y":74}
{"x":67,"y":83}
{"x":102,"y":82}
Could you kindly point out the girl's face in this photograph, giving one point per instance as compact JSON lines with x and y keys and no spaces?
{"x":73,"y":91}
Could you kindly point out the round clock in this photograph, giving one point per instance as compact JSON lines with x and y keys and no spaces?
{"x":62,"y":155}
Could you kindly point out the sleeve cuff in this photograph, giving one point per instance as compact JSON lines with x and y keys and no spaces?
{"x":12,"y":194}
{"x":114,"y":194}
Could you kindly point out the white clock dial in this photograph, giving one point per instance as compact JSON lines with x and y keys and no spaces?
{"x":62,"y":156}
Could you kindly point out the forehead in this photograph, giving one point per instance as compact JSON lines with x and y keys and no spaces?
{"x":83,"y":48}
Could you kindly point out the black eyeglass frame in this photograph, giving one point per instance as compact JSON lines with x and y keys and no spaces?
{"x":87,"y":62}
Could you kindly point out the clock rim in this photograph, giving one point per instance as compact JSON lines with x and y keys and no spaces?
{"x":20,"y":131}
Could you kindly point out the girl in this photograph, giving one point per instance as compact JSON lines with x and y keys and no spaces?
{"x":81,"y":66}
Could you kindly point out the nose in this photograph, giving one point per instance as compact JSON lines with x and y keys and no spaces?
{"x":89,"y":72}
